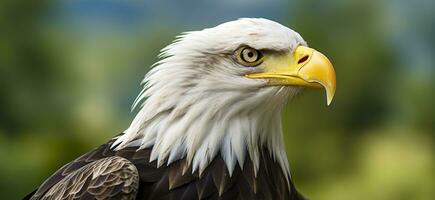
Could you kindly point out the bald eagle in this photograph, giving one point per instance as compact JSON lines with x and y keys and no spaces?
{"x":209,"y":124}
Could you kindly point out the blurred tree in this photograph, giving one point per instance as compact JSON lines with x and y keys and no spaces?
{"x":30,"y":76}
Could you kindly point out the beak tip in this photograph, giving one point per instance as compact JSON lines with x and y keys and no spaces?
{"x":328,"y":102}
{"x":329,"y":97}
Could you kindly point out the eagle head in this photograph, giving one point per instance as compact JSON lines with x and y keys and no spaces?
{"x":221,"y":91}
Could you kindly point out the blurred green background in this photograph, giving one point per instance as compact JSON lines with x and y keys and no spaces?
{"x":69,"y":71}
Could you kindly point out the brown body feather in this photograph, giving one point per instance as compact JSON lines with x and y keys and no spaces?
{"x":128,"y":174}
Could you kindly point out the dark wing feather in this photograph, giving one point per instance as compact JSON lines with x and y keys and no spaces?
{"x":76,"y":179}
{"x":176,"y":176}
{"x":205,"y":186}
{"x":221,"y":176}
{"x":107,"y":178}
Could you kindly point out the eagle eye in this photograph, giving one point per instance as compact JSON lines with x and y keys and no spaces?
{"x":248,"y":56}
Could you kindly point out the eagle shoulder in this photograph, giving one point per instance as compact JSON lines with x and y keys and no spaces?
{"x":107,"y":178}
{"x":128,"y":174}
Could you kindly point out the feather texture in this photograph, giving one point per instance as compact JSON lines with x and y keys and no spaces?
{"x":127,"y":174}
{"x":106,"y":178}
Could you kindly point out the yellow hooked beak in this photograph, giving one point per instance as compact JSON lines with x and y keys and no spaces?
{"x":306,"y":67}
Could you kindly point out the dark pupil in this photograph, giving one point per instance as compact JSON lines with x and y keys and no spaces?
{"x":250,"y":54}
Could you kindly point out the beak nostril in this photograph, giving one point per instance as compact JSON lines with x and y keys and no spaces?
{"x":303,"y":59}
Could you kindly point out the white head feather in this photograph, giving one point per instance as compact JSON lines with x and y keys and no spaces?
{"x":196,"y":102}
